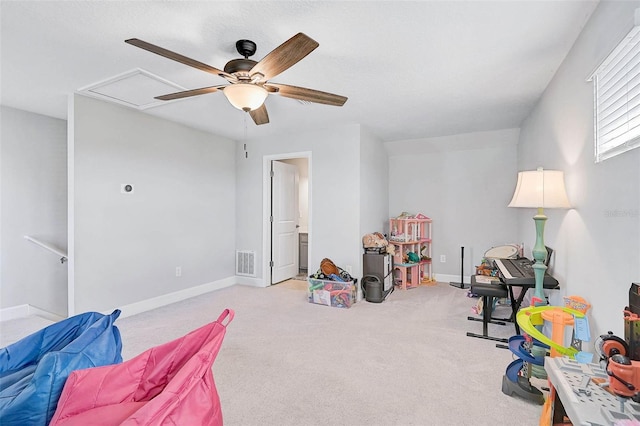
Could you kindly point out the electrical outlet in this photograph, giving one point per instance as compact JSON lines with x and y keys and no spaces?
{"x":178,"y":271}
{"x":443,"y":258}
{"x":348,"y":268}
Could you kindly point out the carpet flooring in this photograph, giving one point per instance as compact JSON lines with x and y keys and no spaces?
{"x":284,"y":361}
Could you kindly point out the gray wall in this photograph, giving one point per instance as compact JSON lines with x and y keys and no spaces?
{"x":33,"y":154}
{"x":598,"y":242}
{"x":374,"y":184}
{"x":463,"y":183}
{"x":374,"y":192}
{"x":334,"y":193}
{"x":127,"y":246}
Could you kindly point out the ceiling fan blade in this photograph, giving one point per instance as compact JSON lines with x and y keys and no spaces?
{"x":284,"y":56}
{"x":188,"y":93}
{"x":308,"y":95}
{"x":177,"y":57}
{"x":260,"y":115}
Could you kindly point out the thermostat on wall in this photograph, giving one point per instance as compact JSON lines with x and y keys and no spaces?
{"x":126,"y":188}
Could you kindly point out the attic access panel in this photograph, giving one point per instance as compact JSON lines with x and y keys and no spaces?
{"x":135,"y":88}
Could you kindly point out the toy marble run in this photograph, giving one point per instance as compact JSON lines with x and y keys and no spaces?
{"x":531,"y":348}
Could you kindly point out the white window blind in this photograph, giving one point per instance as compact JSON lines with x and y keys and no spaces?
{"x":617,"y":98}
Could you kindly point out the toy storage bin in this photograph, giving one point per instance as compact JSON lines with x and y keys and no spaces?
{"x":332,"y":293}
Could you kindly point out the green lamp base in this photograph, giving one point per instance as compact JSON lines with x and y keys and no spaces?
{"x":540,"y":255}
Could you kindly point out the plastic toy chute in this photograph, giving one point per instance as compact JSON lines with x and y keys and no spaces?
{"x":529,"y":318}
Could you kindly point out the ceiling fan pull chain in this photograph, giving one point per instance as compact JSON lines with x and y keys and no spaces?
{"x":246,"y":153}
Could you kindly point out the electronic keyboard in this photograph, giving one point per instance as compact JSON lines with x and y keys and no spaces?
{"x":519,"y":272}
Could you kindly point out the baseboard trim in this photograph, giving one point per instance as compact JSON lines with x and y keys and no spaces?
{"x":176,"y":296}
{"x":22,"y":311}
{"x":26,"y":310}
{"x":446,"y":278}
{"x":253,"y":282}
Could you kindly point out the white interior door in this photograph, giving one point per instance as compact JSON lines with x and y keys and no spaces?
{"x":284,"y":223}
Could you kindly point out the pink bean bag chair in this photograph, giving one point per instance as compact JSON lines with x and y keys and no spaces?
{"x":170,"y":384}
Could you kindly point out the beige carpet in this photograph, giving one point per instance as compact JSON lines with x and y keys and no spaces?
{"x":284,"y":361}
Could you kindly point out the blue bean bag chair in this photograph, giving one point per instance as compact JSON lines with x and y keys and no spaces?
{"x":33,"y":371}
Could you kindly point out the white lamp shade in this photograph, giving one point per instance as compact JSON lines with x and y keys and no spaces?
{"x":540,"y":189}
{"x":245,"y":96}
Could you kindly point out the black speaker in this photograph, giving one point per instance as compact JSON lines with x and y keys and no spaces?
{"x":634,"y":298}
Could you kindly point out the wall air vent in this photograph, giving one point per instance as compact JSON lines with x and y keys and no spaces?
{"x":136,"y":88}
{"x":246,"y":263}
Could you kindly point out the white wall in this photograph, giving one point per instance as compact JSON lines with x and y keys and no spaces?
{"x":127,"y":246}
{"x":334,"y":193}
{"x":463,"y":183}
{"x":33,"y":202}
{"x":598,"y":242}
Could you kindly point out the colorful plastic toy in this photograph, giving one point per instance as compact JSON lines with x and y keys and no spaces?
{"x":529,"y":318}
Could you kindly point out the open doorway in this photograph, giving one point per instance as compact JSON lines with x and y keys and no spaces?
{"x":287,"y":217}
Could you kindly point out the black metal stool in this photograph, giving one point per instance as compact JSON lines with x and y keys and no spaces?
{"x":488,"y":293}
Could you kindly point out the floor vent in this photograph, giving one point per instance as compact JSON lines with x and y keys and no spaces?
{"x":246,"y":263}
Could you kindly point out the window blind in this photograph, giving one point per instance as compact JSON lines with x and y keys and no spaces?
{"x":617,"y":99}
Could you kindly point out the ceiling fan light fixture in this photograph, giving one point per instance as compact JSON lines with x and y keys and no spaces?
{"x":247,"y":79}
{"x":245,"y":96}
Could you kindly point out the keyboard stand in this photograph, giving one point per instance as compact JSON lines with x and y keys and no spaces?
{"x":516,"y":303}
{"x":488,"y":292}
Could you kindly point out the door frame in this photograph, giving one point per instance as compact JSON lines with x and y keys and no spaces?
{"x":266,"y":208}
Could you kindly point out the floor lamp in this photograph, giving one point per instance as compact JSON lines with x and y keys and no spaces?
{"x":540,"y":189}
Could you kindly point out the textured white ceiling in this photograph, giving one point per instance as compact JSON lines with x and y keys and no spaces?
{"x":410,"y":69}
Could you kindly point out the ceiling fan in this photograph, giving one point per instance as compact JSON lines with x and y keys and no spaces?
{"x":248,"y":81}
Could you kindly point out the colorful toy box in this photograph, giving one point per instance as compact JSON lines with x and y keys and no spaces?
{"x":338,"y":294}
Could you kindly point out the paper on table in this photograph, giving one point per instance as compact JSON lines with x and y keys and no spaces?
{"x":485,"y":279}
